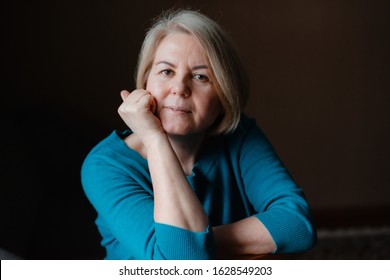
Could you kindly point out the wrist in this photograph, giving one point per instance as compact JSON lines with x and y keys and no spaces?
{"x":154,"y":140}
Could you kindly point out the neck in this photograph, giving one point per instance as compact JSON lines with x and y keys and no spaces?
{"x":187,"y":149}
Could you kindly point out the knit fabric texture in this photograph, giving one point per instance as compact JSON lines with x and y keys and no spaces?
{"x":235,"y":176}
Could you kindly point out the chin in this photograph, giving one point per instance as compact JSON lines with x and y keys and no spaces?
{"x":176,"y":128}
{"x":181,"y":129}
{"x":177,"y":132}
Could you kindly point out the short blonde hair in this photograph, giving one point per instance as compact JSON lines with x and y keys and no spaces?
{"x":228,"y":75}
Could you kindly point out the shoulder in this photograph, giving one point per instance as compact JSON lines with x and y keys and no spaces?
{"x":246,"y":140}
{"x":112,"y":144}
{"x":113,"y":151}
{"x":245,"y":125}
{"x":111,"y":163}
{"x":247,"y":129}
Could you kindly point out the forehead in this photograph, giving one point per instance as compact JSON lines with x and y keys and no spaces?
{"x":180,"y":46}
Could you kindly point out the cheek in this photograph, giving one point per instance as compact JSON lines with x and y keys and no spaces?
{"x":154,"y":88}
{"x":215,"y":105}
{"x":218,"y":106}
{"x":149,"y":85}
{"x":158,"y":94}
{"x":211,"y":107}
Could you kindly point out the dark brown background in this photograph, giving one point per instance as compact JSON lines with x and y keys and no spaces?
{"x":319,"y":74}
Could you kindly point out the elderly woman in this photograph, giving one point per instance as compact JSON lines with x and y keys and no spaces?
{"x":193,"y":177}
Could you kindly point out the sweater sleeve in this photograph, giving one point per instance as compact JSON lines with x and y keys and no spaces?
{"x":277,"y":201}
{"x":124,"y":204}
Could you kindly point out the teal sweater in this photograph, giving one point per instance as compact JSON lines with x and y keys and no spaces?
{"x":236,"y":176}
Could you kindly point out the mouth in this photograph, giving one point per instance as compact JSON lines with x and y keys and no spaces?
{"x":178,"y":109}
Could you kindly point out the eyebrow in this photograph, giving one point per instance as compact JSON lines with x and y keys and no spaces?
{"x":173,"y":65}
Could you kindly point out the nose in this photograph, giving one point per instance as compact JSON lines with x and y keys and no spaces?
{"x":180,"y":86}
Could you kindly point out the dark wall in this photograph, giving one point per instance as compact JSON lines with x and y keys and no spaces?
{"x":319,"y":75}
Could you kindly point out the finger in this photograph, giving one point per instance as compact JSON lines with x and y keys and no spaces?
{"x":153,"y":105}
{"x":147,"y":101}
{"x":124,"y":94}
{"x":137,"y":95}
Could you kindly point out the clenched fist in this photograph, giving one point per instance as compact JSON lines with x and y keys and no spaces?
{"x":137,"y":111}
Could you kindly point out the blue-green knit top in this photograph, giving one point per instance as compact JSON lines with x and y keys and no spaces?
{"x":235,"y":176}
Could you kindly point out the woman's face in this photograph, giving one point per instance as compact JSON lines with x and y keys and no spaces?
{"x":180,"y":82}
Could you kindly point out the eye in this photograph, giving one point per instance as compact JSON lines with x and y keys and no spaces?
{"x":167,"y":72}
{"x":201,"y":78}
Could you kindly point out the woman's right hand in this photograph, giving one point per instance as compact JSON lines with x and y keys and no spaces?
{"x":175,"y":203}
{"x":137,"y":111}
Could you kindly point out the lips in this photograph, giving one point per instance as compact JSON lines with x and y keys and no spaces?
{"x":178,"y":109}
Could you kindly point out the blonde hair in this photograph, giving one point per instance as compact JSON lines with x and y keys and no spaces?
{"x":229,"y":77}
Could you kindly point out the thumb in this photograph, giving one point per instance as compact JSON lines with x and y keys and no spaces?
{"x":124,"y":94}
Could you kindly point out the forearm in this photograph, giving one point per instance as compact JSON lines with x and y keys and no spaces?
{"x":175,"y":203}
{"x":246,"y":238}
